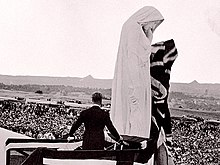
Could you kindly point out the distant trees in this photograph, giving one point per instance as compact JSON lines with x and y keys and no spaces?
{"x":39,"y":92}
{"x":178,"y":95}
{"x":40,"y":89}
{"x":194,"y":102}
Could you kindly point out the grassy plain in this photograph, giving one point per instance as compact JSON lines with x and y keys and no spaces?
{"x":214,"y":115}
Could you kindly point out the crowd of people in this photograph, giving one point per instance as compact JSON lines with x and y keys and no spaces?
{"x":194,"y":141}
{"x":37,"y":120}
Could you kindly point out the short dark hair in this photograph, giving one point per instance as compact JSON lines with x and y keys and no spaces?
{"x":96,"y":96}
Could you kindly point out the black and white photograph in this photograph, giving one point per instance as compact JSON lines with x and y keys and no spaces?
{"x":109,"y":82}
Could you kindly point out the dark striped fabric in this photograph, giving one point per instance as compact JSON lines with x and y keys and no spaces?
{"x":162,"y":58}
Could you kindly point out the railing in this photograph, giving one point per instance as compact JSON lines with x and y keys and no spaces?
{"x":122,"y":157}
{"x":34,"y":151}
{"x":25,"y":147}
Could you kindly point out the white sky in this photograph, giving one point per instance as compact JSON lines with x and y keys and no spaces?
{"x":77,"y":38}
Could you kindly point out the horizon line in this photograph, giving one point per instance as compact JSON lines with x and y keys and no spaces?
{"x":89,"y":75}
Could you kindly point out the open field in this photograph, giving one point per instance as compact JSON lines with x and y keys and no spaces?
{"x":215,"y":115}
{"x":53,"y":96}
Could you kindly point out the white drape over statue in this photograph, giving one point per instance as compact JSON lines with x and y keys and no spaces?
{"x":131,"y":88}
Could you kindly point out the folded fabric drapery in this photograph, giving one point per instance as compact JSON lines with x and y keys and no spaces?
{"x":161,"y":61}
{"x":141,"y":82}
{"x":162,"y":58}
{"x":131,"y":88}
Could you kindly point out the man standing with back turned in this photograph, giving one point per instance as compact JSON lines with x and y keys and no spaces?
{"x":95,"y":119}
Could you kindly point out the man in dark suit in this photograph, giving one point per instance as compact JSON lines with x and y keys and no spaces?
{"x":95,"y":119}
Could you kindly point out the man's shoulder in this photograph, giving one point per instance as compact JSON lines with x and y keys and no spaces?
{"x":91,"y":109}
{"x":98,"y":109}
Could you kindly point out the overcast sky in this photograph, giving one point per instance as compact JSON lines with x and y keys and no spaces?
{"x":76,"y":38}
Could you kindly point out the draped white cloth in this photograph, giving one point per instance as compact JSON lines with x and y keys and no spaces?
{"x":131,"y":88}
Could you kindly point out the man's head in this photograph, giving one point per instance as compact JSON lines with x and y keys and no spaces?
{"x":97,"y":98}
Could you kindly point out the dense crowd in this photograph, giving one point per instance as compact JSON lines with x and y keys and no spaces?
{"x":38,"y":121}
{"x":194,"y":141}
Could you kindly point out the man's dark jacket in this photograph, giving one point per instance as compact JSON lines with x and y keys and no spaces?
{"x":94,"y":119}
